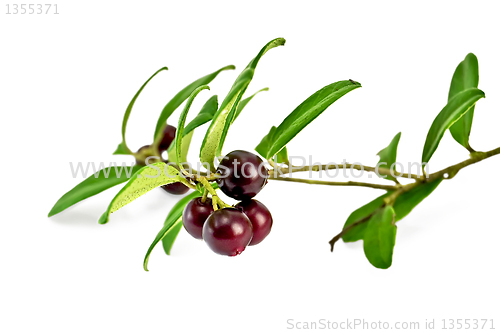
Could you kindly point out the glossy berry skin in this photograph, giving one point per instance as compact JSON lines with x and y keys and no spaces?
{"x":168,"y":137}
{"x":259,"y":216}
{"x":242,"y":175}
{"x":227,"y":231}
{"x":195,"y":214}
{"x":176,"y":188}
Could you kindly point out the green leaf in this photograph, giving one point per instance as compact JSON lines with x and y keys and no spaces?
{"x":266,"y":142}
{"x":172,"y":150}
{"x":182,"y":95}
{"x":466,"y":76}
{"x":407,"y":201}
{"x":306,"y":112}
{"x":403,"y":205}
{"x":245,"y":101}
{"x":171,"y":227}
{"x":170,"y":236}
{"x":388,"y":156}
{"x":93,"y":185}
{"x":181,"y":157}
{"x":206,"y":114}
{"x":282,"y":156}
{"x":380,"y":238}
{"x":216,"y":133}
{"x":454,"y":110}
{"x":357,"y":232}
{"x":144,"y":180}
{"x":122,"y":147}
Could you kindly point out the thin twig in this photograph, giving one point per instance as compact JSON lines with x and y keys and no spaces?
{"x":359,"y":167}
{"x":205,"y":195}
{"x":454,"y":169}
{"x":347,"y":229}
{"x":331,"y":183}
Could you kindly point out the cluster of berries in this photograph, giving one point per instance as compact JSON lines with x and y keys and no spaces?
{"x":227,"y":231}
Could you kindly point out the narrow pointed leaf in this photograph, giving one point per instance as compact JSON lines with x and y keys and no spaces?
{"x":170,"y":236}
{"x":144,"y":180}
{"x":216,"y":133}
{"x":388,"y":155}
{"x":380,"y":238}
{"x":244,"y":103}
{"x":182,"y":95}
{"x":454,"y":110}
{"x":122,"y":147}
{"x":172,"y":150}
{"x":206,"y":114}
{"x":93,"y":185}
{"x":306,"y":112}
{"x":466,"y":76}
{"x":181,"y":157}
{"x":168,"y":227}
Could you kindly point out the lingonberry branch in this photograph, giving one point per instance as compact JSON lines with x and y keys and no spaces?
{"x":277,"y":173}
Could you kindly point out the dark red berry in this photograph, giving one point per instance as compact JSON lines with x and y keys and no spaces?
{"x":168,"y":137}
{"x":259,"y":216}
{"x":227,"y":231}
{"x":176,"y":188}
{"x":195,"y":214}
{"x":242,"y":175}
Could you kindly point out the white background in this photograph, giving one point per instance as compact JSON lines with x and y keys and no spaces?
{"x":66,"y":79}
